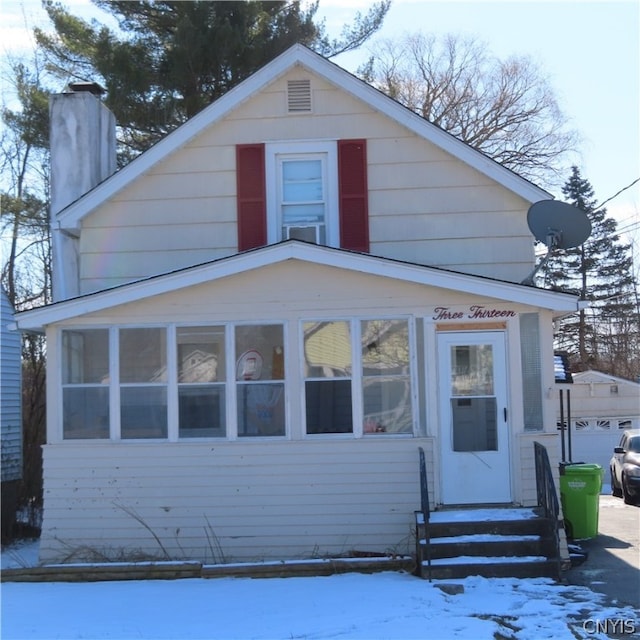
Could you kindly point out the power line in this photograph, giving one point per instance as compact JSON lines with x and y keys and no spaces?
{"x":615,"y":195}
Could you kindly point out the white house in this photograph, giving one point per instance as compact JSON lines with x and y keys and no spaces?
{"x":10,"y":414}
{"x":260,"y":320}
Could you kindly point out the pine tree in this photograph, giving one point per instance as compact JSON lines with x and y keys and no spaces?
{"x":170,"y":59}
{"x":605,"y":335}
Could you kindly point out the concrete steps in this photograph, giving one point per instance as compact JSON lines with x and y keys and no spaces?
{"x":495,"y":542}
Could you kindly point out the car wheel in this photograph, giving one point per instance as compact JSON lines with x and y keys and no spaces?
{"x":628,"y":498}
{"x":615,"y":489}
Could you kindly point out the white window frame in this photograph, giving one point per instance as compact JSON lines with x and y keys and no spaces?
{"x":357,"y":377}
{"x":294,"y":380}
{"x":168,"y":384}
{"x":174,"y":401}
{"x":232,"y":382}
{"x":275,"y":153}
{"x":56,"y":434}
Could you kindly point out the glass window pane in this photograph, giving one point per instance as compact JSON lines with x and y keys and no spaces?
{"x":385,"y":347}
{"x":200,"y":354}
{"x":327,"y":349}
{"x":328,"y":405}
{"x":201,"y":411}
{"x":85,"y":356}
{"x":143,"y":412}
{"x":261,"y":409}
{"x":475,"y":424}
{"x":293,"y":214}
{"x":472,"y":370}
{"x":302,"y":181}
{"x":85,"y":412}
{"x":387,"y":405}
{"x":302,"y":170}
{"x":143,"y":355}
{"x":260,"y":352}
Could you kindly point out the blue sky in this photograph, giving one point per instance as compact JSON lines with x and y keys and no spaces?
{"x":589,"y":50}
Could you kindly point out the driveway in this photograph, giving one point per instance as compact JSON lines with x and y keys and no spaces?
{"x":613,"y":565}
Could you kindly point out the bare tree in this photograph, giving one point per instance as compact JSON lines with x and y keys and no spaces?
{"x":26,"y":260}
{"x":506,"y":109}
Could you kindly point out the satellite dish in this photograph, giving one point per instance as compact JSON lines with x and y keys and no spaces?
{"x":559,"y":226}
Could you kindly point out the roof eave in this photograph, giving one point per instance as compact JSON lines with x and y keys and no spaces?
{"x":37,"y":319}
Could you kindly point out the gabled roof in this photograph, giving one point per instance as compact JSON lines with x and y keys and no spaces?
{"x":36,"y":319}
{"x":70,"y":217}
{"x":599,"y":377}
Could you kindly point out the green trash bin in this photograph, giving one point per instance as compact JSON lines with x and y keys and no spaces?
{"x":580,"y":486}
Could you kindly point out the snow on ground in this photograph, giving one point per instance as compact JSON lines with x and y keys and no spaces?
{"x":386,"y":605}
{"x":390,"y":605}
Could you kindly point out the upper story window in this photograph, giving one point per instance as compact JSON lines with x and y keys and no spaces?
{"x":314,"y":190}
{"x":302,"y":198}
{"x":302,"y":191}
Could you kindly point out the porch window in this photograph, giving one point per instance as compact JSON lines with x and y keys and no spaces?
{"x":386,"y":380}
{"x":201,"y":381}
{"x":143,"y":383}
{"x":357,"y":377}
{"x":85,"y":383}
{"x":327,"y":374}
{"x":260,"y":380}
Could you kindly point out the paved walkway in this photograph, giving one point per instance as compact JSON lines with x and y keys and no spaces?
{"x":613,"y":566}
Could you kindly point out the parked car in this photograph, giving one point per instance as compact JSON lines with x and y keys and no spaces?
{"x":625,"y":467}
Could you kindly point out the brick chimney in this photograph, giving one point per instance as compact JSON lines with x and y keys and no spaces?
{"x":83,"y":154}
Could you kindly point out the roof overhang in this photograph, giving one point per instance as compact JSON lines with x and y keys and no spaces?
{"x":70,"y":217}
{"x":37,"y":319}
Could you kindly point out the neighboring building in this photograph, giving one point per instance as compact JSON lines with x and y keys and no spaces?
{"x":259,"y":321}
{"x":602,"y":407}
{"x":10,"y":414}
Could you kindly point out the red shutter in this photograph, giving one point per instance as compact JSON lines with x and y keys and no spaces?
{"x":352,"y":184}
{"x":252,"y":209}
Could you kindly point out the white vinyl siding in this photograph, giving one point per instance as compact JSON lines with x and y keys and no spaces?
{"x":289,"y":494}
{"x":424,"y":205}
{"x":11,"y":394}
{"x":228,"y":503}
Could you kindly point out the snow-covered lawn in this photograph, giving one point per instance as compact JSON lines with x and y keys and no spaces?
{"x":385,"y":605}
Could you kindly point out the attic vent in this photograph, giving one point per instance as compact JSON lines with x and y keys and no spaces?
{"x":298,"y":95}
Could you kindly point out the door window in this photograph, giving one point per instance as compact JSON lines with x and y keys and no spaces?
{"x":473,"y":407}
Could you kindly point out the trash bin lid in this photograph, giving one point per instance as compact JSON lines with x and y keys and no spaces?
{"x":582,"y":467}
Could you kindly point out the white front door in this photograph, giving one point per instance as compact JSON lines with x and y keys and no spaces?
{"x":474,"y":415}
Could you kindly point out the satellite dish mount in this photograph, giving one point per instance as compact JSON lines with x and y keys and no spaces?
{"x":557,"y":225}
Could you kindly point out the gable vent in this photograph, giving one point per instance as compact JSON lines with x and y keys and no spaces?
{"x":298,"y":95}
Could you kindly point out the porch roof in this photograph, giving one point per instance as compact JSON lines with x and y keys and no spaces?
{"x":37,"y":319}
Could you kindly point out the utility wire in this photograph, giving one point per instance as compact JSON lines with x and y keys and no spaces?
{"x":615,"y":195}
